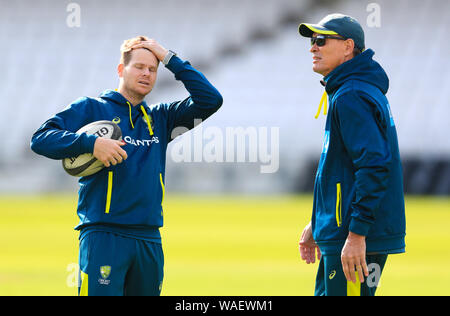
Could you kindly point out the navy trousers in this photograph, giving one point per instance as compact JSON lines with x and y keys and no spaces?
{"x":331,"y":281}
{"x":114,"y":265}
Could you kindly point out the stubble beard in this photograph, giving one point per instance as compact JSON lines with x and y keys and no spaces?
{"x":133,"y":94}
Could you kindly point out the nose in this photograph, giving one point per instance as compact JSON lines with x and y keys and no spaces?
{"x":314,"y":48}
{"x":146,"y":72}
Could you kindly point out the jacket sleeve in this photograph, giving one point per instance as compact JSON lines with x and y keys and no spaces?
{"x":203,"y":100}
{"x":57,"y":137}
{"x":363,"y":130}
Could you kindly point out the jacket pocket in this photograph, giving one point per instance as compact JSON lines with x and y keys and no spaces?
{"x":109,"y":192}
{"x":338,"y":205}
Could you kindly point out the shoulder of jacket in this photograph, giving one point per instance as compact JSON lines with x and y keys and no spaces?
{"x":85,"y":100}
{"x":356,"y":89}
{"x":362,"y":88}
{"x":96,"y":102}
{"x":159,"y":110}
{"x":155,"y":106}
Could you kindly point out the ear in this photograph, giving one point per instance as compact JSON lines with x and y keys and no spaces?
{"x":120,"y":68}
{"x":349,"y":46}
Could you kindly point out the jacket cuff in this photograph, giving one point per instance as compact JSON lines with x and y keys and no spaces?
{"x":87,"y":143}
{"x":359,"y":227}
{"x":175,"y":64}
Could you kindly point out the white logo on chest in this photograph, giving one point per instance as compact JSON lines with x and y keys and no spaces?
{"x":141,"y":142}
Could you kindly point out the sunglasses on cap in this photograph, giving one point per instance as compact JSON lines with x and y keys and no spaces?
{"x":320,"y":40}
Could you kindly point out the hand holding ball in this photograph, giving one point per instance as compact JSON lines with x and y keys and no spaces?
{"x":107,"y":150}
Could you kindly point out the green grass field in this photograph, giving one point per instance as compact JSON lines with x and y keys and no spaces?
{"x":223,"y":245}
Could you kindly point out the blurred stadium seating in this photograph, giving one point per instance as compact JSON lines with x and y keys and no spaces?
{"x":251,"y":51}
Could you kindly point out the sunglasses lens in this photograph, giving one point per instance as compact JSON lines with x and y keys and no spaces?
{"x":320,"y":41}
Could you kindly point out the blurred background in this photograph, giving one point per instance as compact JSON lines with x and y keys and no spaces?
{"x":229,"y":228}
{"x":251,"y":51}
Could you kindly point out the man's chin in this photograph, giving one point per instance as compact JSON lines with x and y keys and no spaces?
{"x":142,"y":92}
{"x":318,"y":70}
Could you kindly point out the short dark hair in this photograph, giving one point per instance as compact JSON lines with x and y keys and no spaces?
{"x":356,"y":51}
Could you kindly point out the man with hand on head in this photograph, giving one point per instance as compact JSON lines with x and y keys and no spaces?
{"x":358,"y":210}
{"x":120,"y":207}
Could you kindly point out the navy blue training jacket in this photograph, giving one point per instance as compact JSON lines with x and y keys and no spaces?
{"x":127,"y":198}
{"x":359,"y":186}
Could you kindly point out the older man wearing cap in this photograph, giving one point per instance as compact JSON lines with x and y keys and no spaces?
{"x":358,"y":210}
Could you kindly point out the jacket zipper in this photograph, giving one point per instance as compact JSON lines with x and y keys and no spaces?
{"x":338,"y":205}
{"x":163,"y":191}
{"x":109,"y":192}
{"x":162,"y":187}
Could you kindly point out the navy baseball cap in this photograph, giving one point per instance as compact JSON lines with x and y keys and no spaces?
{"x":336,"y":24}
